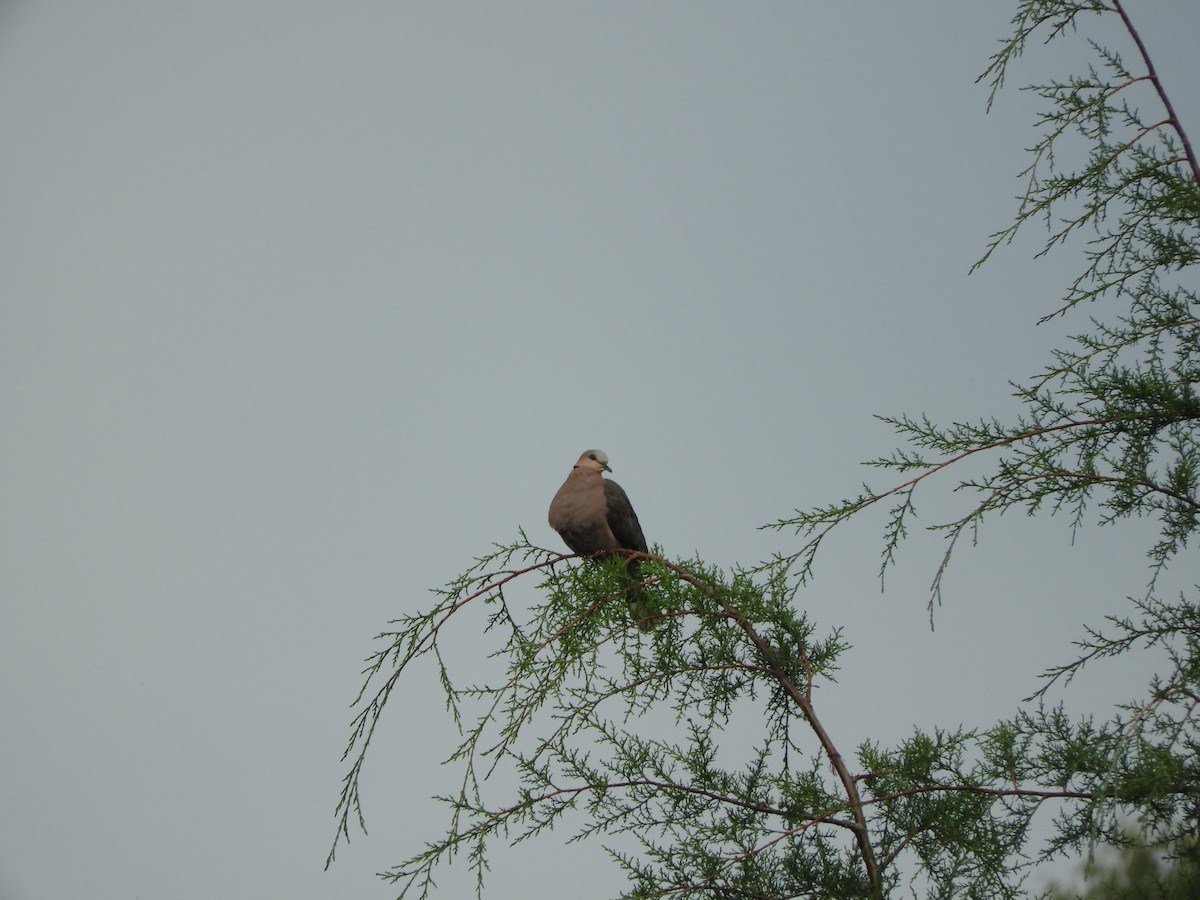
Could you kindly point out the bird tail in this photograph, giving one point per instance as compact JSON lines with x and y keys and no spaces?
{"x":642,"y":606}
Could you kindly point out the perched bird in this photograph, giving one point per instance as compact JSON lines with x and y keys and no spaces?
{"x":593,"y":514}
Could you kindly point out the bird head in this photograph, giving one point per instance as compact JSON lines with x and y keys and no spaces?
{"x":593,"y":459}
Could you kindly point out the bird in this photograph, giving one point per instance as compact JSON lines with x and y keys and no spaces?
{"x":593,"y":514}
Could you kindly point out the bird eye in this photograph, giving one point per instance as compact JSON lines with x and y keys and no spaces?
{"x":591,"y":456}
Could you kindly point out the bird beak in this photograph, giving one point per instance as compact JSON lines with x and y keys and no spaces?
{"x":606,"y":467}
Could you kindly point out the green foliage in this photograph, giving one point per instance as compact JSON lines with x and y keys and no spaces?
{"x":1138,"y":873}
{"x":559,"y":719}
{"x":1110,"y":422}
{"x":637,"y":738}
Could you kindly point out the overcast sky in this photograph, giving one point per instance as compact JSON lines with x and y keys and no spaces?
{"x":306,"y":304}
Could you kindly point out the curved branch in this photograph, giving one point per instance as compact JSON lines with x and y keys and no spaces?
{"x":803,"y":700}
{"x":1152,"y":73}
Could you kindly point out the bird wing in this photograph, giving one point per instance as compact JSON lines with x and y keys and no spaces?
{"x":622,"y":520}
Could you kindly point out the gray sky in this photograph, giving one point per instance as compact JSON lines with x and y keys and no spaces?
{"x":307,"y":304}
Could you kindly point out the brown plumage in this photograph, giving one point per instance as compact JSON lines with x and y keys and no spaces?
{"x":594,"y":514}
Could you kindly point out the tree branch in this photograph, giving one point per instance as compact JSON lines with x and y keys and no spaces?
{"x":1152,"y":73}
{"x":802,"y":700}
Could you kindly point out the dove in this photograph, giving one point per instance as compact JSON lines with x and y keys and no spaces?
{"x":593,"y":514}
